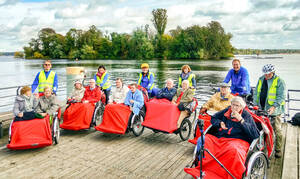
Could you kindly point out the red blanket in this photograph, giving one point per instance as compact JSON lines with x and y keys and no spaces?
{"x":78,"y":116}
{"x":30,"y":134}
{"x":230,"y":152}
{"x":115,"y":119}
{"x":206,"y":118}
{"x":161,"y":115}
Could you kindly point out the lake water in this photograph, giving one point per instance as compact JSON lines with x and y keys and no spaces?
{"x":17,"y":72}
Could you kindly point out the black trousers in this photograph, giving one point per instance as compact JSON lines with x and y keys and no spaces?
{"x":107,"y":93}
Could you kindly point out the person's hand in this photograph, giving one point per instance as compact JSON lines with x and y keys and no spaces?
{"x":36,"y":95}
{"x":271,"y":110}
{"x":236,"y":115}
{"x":223,"y":126}
{"x":85,"y":101}
{"x":131,"y":101}
{"x":174,"y":102}
{"x":44,"y":114}
{"x":20,"y":114}
{"x":203,"y":110}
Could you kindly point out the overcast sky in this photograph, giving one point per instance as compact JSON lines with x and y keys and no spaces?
{"x":253,"y":23}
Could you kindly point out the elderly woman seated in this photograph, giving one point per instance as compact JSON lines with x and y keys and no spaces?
{"x":234,"y":130}
{"x":48,"y":104}
{"x":219,"y":100}
{"x":134,"y":99}
{"x":119,"y":92}
{"x":78,"y":92}
{"x":25,"y":104}
{"x":183,"y":98}
{"x":168,"y":92}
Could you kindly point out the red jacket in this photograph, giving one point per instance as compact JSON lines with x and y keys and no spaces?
{"x":92,"y":96}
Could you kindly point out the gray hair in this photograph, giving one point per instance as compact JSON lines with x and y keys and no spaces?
{"x":92,"y":80}
{"x":239,"y":100}
{"x":187,"y":82}
{"x":170,"y":79}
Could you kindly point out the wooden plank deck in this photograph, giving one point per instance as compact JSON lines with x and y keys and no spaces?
{"x":92,"y":154}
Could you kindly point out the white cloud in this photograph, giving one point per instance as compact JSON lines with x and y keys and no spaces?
{"x":253,"y":23}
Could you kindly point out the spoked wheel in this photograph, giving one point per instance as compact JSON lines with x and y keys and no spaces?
{"x":56,"y":131}
{"x":185,"y":129}
{"x":137,"y":127}
{"x":98,"y":115}
{"x":257,"y":166}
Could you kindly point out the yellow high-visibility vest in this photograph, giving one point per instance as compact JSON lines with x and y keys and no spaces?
{"x":140,"y":79}
{"x":189,"y":79}
{"x":106,"y":84}
{"x":43,"y":81}
{"x":271,"y":92}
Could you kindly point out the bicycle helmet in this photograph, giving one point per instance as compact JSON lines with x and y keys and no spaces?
{"x":268,"y":68}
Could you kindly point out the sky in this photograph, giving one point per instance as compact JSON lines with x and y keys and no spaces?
{"x":258,"y":24}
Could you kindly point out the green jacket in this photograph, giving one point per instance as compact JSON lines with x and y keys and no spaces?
{"x":280,"y":96}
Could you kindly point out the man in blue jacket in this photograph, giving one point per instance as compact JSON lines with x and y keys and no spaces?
{"x":239,"y":78}
{"x":44,"y":78}
{"x":134,"y":99}
{"x":168,"y":92}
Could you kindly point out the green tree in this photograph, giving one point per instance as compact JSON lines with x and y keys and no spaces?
{"x":159,"y":20}
{"x":87,"y":52}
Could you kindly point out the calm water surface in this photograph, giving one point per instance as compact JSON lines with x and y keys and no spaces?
{"x":16,"y":72}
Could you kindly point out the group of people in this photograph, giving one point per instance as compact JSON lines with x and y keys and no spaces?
{"x":269,"y":95}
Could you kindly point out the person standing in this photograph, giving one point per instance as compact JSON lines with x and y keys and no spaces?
{"x":239,"y":78}
{"x":186,"y":74}
{"x":102,"y":80}
{"x":44,"y":78}
{"x":270,"y":96}
{"x":146,"y":80}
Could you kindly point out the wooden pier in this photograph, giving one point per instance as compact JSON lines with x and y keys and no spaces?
{"x":92,"y":154}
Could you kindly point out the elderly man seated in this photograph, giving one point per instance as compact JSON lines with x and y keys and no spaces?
{"x":219,"y":100}
{"x":235,"y":130}
{"x":168,"y":92}
{"x":183,"y":98}
{"x":134,"y":99}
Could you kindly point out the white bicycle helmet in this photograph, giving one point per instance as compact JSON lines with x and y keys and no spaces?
{"x":268,"y":68}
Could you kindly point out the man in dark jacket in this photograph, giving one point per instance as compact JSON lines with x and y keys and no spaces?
{"x":168,"y":92}
{"x":235,"y":122}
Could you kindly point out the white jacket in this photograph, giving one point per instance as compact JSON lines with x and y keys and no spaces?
{"x":118,"y":94}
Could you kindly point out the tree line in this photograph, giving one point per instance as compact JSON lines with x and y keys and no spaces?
{"x":194,"y":42}
{"x":264,"y":51}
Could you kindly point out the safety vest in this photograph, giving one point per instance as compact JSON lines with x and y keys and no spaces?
{"x":140,"y":79}
{"x":43,"y":81}
{"x":271,"y":93}
{"x":99,"y":81}
{"x":189,"y":79}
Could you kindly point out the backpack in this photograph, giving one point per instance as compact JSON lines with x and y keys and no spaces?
{"x":295,"y":119}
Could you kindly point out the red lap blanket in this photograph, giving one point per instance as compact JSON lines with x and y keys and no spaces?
{"x":206,"y":118}
{"x":115,"y":119}
{"x":78,"y":116}
{"x":30,"y":134}
{"x":230,"y":152}
{"x":161,"y":115}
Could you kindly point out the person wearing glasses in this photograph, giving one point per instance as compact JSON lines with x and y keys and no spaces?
{"x":44,"y":78}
